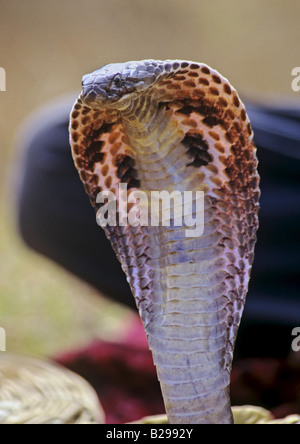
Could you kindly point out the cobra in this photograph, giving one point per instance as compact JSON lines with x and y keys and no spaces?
{"x":177,"y":126}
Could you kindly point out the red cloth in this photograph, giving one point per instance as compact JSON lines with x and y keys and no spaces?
{"x":123,"y":375}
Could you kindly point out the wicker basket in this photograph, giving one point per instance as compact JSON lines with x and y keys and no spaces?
{"x":247,"y":414}
{"x":39,"y":392}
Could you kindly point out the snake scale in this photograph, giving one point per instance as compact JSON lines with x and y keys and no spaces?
{"x":177,"y":126}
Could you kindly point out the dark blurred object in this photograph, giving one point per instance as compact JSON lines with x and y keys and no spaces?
{"x":271,"y":383}
{"x":275,"y":287}
{"x":125,"y":379}
{"x":273,"y":302}
{"x":57,"y":220}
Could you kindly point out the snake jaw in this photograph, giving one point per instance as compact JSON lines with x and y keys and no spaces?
{"x":182,"y":127}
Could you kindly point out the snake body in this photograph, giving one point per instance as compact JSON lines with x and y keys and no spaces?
{"x":177,"y":126}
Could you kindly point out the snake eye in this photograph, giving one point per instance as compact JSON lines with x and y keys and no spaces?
{"x":118,"y":80}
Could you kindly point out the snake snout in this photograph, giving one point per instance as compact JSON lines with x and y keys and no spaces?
{"x":93,"y":93}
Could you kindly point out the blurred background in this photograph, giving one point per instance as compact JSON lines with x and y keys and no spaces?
{"x":45,"y":48}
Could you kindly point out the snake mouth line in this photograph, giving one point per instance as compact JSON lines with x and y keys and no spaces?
{"x":155,"y":208}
